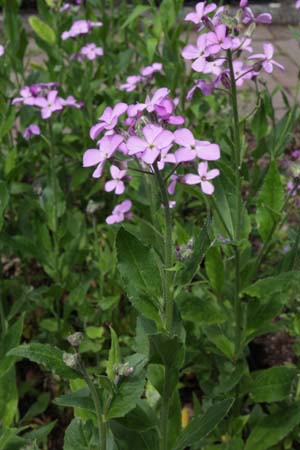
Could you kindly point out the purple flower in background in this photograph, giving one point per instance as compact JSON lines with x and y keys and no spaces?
{"x":297,"y":4}
{"x":150,"y":70}
{"x":131,"y":83}
{"x":1,"y":50}
{"x":261,"y":18}
{"x":79,"y":28}
{"x":116,"y":184}
{"x":243,"y":3}
{"x":28,"y":96}
{"x":71,"y":101}
{"x":201,"y":11}
{"x":203,"y":177}
{"x":91,"y":51}
{"x":107,"y":147}
{"x":109,"y":119}
{"x":266,"y":57}
{"x":205,"y":87}
{"x":49,"y":105}
{"x":30,"y":131}
{"x":190,"y":148}
{"x":155,"y":140}
{"x":119,"y":213}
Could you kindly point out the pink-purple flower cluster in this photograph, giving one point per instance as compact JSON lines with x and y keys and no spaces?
{"x":138,"y":137}
{"x":80,"y":28}
{"x":88,"y":51}
{"x":144,"y":76}
{"x":45,"y":97}
{"x":219,"y":33}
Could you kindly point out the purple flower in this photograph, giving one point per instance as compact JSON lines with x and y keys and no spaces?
{"x":49,"y":105}
{"x":1,"y":50}
{"x":116,"y":184}
{"x":190,"y":148}
{"x":243,"y":3}
{"x":107,"y":147}
{"x":108,"y":120}
{"x":242,"y":44}
{"x":30,"y":131}
{"x":164,"y":111}
{"x":297,"y":4}
{"x":131,"y":83}
{"x":261,"y":18}
{"x":155,"y":140}
{"x":71,"y":101}
{"x":150,"y":70}
{"x":166,"y":157}
{"x":172,"y":186}
{"x":266,"y":57}
{"x":80,"y":27}
{"x":28,"y":97}
{"x":205,"y":87}
{"x":202,"y":178}
{"x":201,"y":12}
{"x":150,"y":103}
{"x":119,"y":213}
{"x":197,"y":52}
{"x":91,"y":51}
{"x":217,"y":40}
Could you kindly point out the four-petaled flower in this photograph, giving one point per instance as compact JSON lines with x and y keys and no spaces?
{"x":266,"y":57}
{"x":119,"y":213}
{"x":203,"y":177}
{"x":202,"y":10}
{"x":217,"y":40}
{"x":116,"y":184}
{"x":155,"y":140}
{"x":190,"y":148}
{"x":91,"y":51}
{"x":107,"y":147}
{"x":197,"y":52}
{"x":108,"y":120}
{"x":49,"y":105}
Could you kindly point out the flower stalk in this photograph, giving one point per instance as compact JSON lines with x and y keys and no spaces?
{"x":238,"y":206}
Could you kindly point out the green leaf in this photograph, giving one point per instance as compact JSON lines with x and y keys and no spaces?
{"x":40,"y":433}
{"x":201,"y":310}
{"x":215,"y":269}
{"x":10,"y":340}
{"x":78,"y":399}
{"x":201,"y":426}
{"x":114,"y":356}
{"x":271,"y":385}
{"x":270,"y":202}
{"x":283,"y":282}
{"x":136,"y":13}
{"x":140,"y":273}
{"x":38,"y":407}
{"x":273,"y":428}
{"x":81,"y":436}
{"x":259,"y":123}
{"x":47,"y":355}
{"x":129,"y":389}
{"x":166,"y":350}
{"x":8,"y":397}
{"x":201,"y":246}
{"x":7,"y":124}
{"x":151,"y":44}
{"x":43,"y":30}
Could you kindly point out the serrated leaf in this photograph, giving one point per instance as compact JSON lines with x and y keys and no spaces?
{"x":10,"y":340}
{"x":46,"y":355}
{"x":78,"y":399}
{"x":201,"y":426}
{"x":43,"y":30}
{"x":273,"y":428}
{"x":282,"y":282}
{"x":128,"y":394}
{"x":215,"y":269}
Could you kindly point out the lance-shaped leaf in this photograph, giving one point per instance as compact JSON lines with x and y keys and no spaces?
{"x":201,"y":426}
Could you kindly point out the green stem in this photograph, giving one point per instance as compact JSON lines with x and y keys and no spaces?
{"x":238,"y":207}
{"x":101,"y":424}
{"x":168,"y":252}
{"x":2,"y":318}
{"x":168,"y":305}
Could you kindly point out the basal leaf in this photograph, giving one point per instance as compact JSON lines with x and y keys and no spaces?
{"x":43,"y":30}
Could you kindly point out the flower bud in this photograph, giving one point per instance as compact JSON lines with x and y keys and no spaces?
{"x":75,"y":339}
{"x":225,"y":80}
{"x":71,"y":360}
{"x":250,"y":30}
{"x":123,"y":370}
